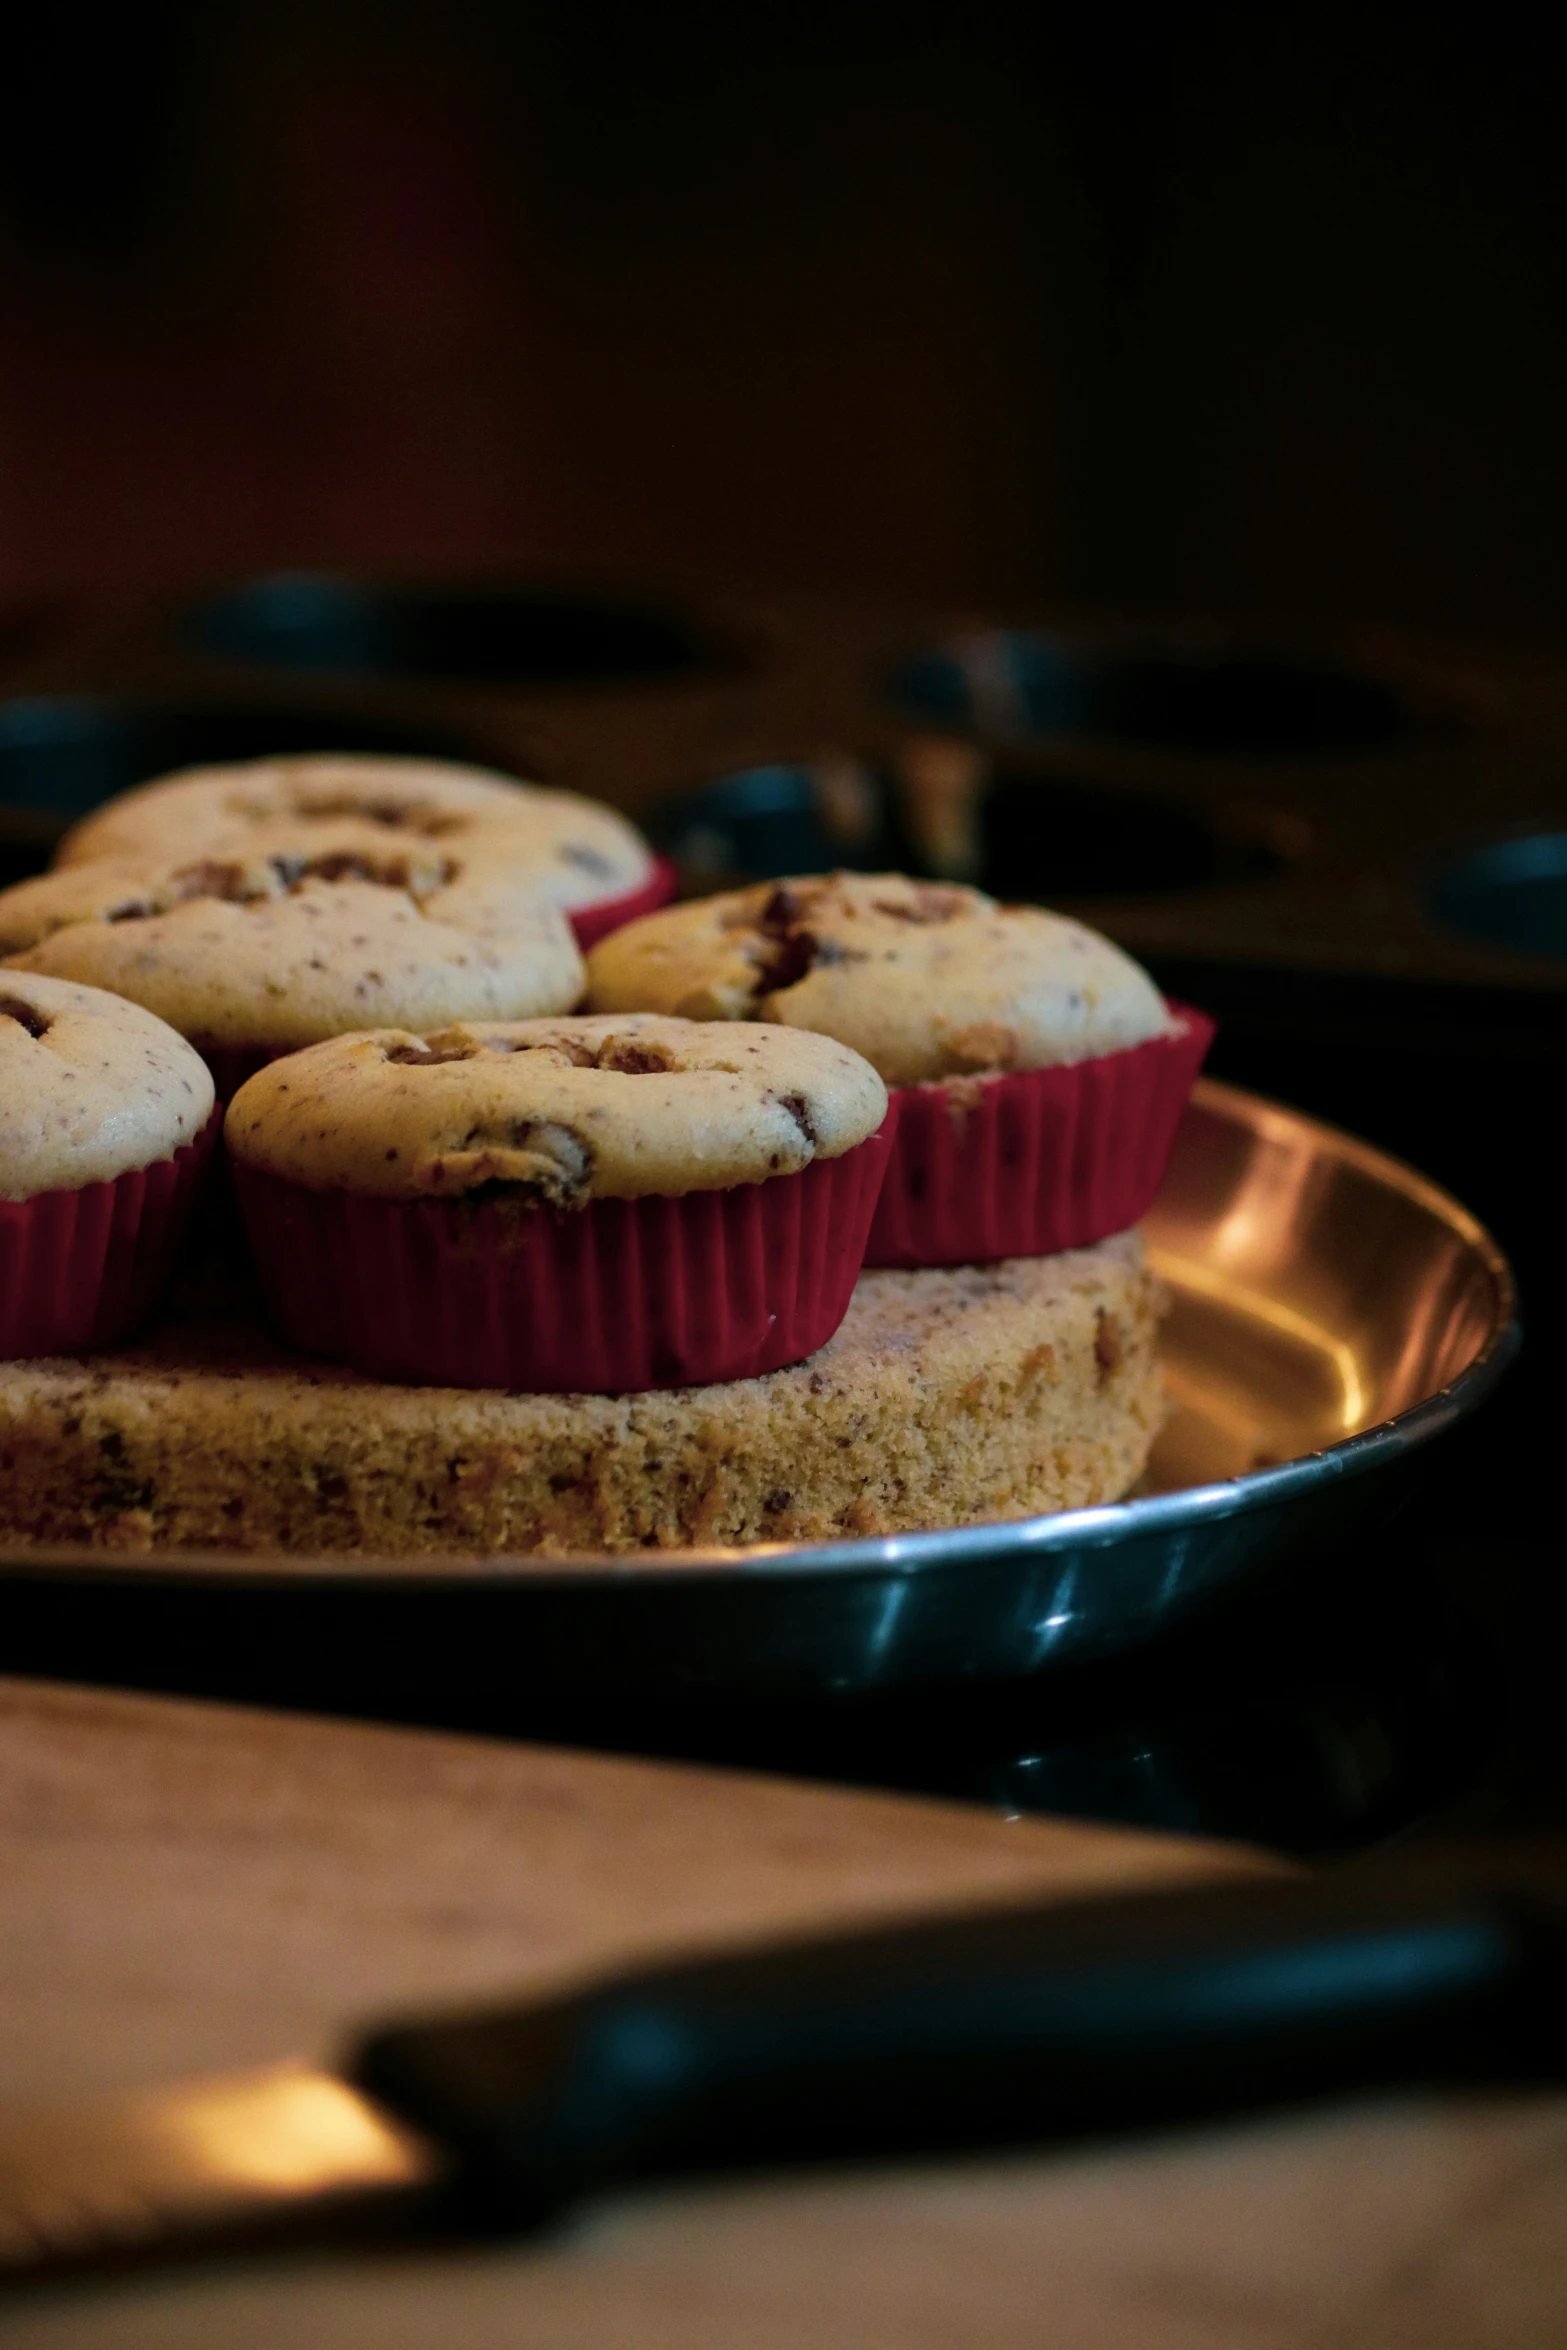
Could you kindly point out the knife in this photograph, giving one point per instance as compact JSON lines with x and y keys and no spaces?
{"x":983,"y":2029}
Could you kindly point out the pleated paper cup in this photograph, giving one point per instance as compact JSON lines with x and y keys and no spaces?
{"x":83,"y":1269}
{"x":618,"y":1295}
{"x":1044,"y":1160}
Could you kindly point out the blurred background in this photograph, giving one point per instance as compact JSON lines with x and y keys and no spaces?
{"x":1251,"y":311}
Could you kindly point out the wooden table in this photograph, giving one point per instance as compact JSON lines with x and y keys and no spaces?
{"x":186,"y":1886}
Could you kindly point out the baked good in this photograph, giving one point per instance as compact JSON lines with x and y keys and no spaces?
{"x":105,"y":1116}
{"x":568,"y":1203}
{"x":255,"y":956}
{"x":945,"y":1398}
{"x":1040,"y":1073}
{"x":571,"y":851}
{"x":929,"y":980}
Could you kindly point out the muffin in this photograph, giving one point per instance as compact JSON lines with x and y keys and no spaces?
{"x":572,"y":852}
{"x":105,"y":1119}
{"x":250,"y":957}
{"x":500,"y":1205}
{"x":1039,"y":1073}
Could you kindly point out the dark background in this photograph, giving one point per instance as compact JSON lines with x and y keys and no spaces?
{"x":1244,"y":310}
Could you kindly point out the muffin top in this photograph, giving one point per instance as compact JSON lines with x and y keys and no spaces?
{"x":90,"y":1087}
{"x":928,"y":980}
{"x":269,"y":952}
{"x":573,"y":851}
{"x":548,"y":1106}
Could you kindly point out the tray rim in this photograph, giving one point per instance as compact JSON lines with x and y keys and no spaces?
{"x":914,"y":1553}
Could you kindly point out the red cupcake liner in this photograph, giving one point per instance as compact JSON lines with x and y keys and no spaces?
{"x":591,"y":923}
{"x":83,"y":1269}
{"x":1026,"y":1165}
{"x":615,"y":1296}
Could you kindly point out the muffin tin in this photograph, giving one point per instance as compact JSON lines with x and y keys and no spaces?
{"x":1205,"y":693}
{"x":1048,"y":836}
{"x":495,"y":635}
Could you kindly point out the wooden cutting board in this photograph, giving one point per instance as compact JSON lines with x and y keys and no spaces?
{"x":186,"y":1887}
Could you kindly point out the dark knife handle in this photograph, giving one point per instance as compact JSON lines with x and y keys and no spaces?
{"x":990,"y":2028}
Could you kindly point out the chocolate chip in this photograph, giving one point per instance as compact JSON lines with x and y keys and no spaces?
{"x":342,"y":867}
{"x":346,"y":865}
{"x":213,"y":879}
{"x":799,"y":1111}
{"x":631,"y":1059}
{"x":784,"y":911}
{"x":13,"y":1008}
{"x":787,"y":965}
{"x":795,"y":948}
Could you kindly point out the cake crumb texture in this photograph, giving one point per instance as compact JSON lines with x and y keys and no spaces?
{"x":948,"y":1397}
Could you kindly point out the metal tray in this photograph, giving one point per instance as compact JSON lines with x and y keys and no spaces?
{"x":1332,"y":1315}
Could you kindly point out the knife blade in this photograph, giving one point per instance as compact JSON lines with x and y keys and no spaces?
{"x":198,"y":2162}
{"x":979,"y":2029}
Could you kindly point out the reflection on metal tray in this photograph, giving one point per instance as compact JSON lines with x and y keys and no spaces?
{"x":1272,"y":1719}
{"x":1332,"y":1314}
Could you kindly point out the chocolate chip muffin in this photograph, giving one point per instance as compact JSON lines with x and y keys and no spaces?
{"x":930,"y":981}
{"x":1039,"y":1074}
{"x":570,"y":851}
{"x":589,"y":1203}
{"x":255,"y":956}
{"x":104,"y":1115}
{"x":544,"y":1104}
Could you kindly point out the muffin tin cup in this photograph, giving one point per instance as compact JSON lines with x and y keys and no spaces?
{"x":1025,"y":1165}
{"x":591,"y":923}
{"x":83,"y":1269}
{"x":615,"y":1296}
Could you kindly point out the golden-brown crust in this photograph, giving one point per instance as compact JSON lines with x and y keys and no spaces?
{"x":90,"y":1087}
{"x":948,"y":1397}
{"x":929,"y":980}
{"x":548,"y":1104}
{"x":257,"y":953}
{"x":570,"y":850}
